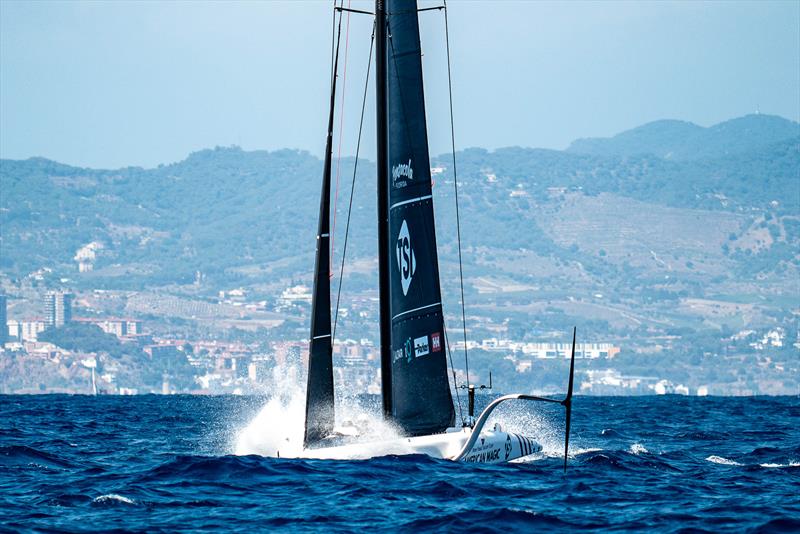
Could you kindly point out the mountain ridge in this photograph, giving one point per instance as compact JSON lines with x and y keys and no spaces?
{"x":778,"y":128}
{"x":682,"y":140}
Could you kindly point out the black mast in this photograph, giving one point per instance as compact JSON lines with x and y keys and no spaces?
{"x":383,"y":207}
{"x":320,"y":414}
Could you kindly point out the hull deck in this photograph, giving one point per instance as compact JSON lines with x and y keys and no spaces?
{"x":493,"y":446}
{"x":447,"y":445}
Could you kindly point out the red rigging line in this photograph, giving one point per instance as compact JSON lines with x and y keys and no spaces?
{"x":341,"y":130}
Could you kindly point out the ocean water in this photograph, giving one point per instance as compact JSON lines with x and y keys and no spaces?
{"x":169,"y":463}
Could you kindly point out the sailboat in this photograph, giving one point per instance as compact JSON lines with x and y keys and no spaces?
{"x":415,"y":389}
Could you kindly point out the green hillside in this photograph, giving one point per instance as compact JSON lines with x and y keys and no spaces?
{"x":227,"y":212}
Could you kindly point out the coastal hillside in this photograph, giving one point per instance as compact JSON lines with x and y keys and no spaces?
{"x":673,"y":242}
{"x":223,"y":210}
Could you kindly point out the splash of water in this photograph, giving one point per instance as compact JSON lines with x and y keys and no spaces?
{"x":637,"y":449}
{"x":371,"y":425}
{"x":522,"y":418}
{"x":277,"y":430}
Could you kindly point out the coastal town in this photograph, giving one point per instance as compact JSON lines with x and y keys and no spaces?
{"x":144,"y":352}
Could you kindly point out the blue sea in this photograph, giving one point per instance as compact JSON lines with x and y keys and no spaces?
{"x":167,"y":463}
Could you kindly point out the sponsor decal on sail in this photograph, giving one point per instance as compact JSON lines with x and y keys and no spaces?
{"x":406,"y":261}
{"x":421,"y":346}
{"x":401,"y":174}
{"x":436,"y":342}
{"x":408,"y":350}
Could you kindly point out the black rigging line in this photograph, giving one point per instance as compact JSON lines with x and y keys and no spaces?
{"x":455,"y":187}
{"x":353,"y":186}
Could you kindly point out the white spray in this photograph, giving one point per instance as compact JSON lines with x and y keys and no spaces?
{"x":277,"y":430}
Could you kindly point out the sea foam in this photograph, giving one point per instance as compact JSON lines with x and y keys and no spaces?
{"x":638,"y":448}
{"x":113,"y":498}
{"x":714,"y":459}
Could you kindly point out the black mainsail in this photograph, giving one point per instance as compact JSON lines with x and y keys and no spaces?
{"x":419,"y":392}
{"x":319,"y":386}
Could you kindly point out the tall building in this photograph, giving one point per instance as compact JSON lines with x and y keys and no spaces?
{"x":3,"y":320}
{"x":58,"y":308}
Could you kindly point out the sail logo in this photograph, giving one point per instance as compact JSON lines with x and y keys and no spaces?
{"x":421,"y":346}
{"x":401,"y":171}
{"x":406,"y":262}
{"x":436,"y":342}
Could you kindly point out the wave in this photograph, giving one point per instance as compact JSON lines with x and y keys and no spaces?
{"x":216,"y":468}
{"x":780,"y":466}
{"x":444,"y":489}
{"x":498,"y":519}
{"x":781,"y":524}
{"x":714,"y":459}
{"x":767,"y":465}
{"x":23,"y":455}
{"x":699,"y":435}
{"x":112,"y":499}
{"x":578,"y":452}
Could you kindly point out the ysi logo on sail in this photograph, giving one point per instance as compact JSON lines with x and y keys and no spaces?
{"x":406,"y":262}
{"x":402,"y":170}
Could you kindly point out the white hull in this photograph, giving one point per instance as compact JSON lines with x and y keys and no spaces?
{"x":491,"y":446}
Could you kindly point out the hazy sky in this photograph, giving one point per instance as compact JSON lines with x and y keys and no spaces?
{"x":109,"y":84}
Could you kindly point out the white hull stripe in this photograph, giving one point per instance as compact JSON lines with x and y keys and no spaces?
{"x":409,"y":201}
{"x":416,"y":309}
{"x":320,"y":337}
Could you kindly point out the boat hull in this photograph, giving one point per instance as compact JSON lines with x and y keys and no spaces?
{"x":491,"y":446}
